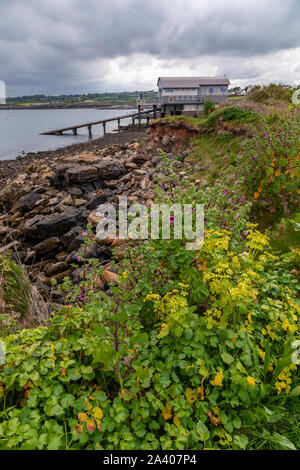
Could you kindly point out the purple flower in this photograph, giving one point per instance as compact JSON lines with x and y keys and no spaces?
{"x":82,"y":297}
{"x":225,"y":192}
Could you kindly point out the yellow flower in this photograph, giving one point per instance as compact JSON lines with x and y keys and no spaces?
{"x":262,"y":354}
{"x":167,"y":411}
{"x":251,"y":381}
{"x":82,"y":417}
{"x":97,"y":412}
{"x":218,"y":380}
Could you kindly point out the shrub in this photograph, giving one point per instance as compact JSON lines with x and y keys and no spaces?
{"x":271,"y":164}
{"x":209,"y":107}
{"x":233,"y":113}
{"x":201,"y":377}
{"x":269,"y":94}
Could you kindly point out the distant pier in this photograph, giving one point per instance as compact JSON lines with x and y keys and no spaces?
{"x":137,"y":116}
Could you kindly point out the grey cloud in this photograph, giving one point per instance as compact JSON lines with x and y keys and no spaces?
{"x":51,"y":44}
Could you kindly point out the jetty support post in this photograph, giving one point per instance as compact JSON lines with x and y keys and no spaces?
{"x":90,"y":131}
{"x":104,"y":128}
{"x":148,"y":119}
{"x":139,"y":115}
{"x":154,"y":111}
{"x":119,"y":124}
{"x":133,"y":122}
{"x":75,"y":131}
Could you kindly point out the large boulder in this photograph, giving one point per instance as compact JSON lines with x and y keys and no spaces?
{"x":81,"y":174}
{"x":47,"y":246}
{"x":52,"y":225}
{"x":28,"y":202}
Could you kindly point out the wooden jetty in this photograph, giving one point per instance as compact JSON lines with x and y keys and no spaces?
{"x":139,"y":115}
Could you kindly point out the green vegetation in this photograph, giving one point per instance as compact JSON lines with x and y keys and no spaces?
{"x":189,"y":349}
{"x":234,"y":114}
{"x":15,"y":289}
{"x":270,"y":93}
{"x":212,"y":153}
{"x":209,"y":107}
{"x":97,"y":99}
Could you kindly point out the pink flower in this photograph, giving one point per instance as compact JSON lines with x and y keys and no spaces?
{"x":84,"y":234}
{"x":82,"y":297}
{"x":172,"y":220}
{"x":78,"y":259}
{"x":225,"y":192}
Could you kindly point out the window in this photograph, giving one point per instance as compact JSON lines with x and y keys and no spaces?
{"x":223,"y":90}
{"x":211,"y":90}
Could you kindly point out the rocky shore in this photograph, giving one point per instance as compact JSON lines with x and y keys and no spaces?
{"x":47,"y":199}
{"x":9,"y":169}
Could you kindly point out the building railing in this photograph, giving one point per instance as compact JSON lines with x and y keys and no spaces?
{"x":195,"y":100}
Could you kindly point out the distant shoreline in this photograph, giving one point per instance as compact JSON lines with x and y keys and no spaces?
{"x":73,"y":106}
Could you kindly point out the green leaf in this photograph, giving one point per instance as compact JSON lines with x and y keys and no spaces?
{"x":295,"y":392}
{"x":141,"y":338}
{"x":283,"y":441}
{"x":178,"y":330}
{"x":241,"y":441}
{"x":227,"y":358}
{"x":202,"y":431}
{"x":54,"y":443}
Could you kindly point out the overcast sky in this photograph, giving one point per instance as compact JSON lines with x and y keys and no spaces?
{"x":76,"y":46}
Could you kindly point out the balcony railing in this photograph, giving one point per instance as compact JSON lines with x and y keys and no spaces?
{"x":194,"y":100}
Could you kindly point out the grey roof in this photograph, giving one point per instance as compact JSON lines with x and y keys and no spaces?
{"x":191,"y":82}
